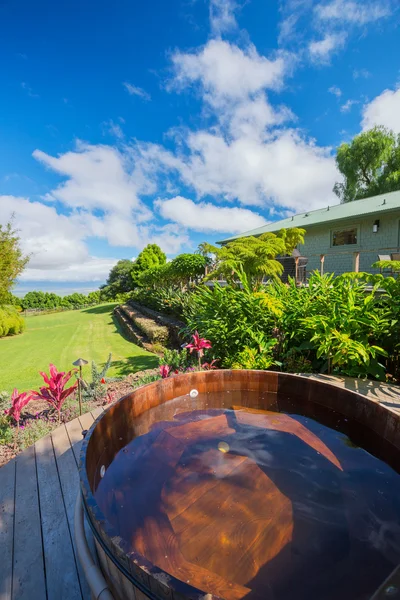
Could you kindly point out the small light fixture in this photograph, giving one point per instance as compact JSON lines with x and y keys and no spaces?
{"x":375,"y":226}
{"x":81,"y":362}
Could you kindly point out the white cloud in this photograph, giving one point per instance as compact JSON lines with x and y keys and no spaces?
{"x":321,"y":51}
{"x":92,"y":269}
{"x":97,"y":178}
{"x":205,"y":216}
{"x":113,"y":129}
{"x":29,"y":90}
{"x":225,"y":71}
{"x":336,"y":91}
{"x":134,"y":90}
{"x":222,"y":15}
{"x":361,"y":74}
{"x":284,"y":171}
{"x":50,"y":237}
{"x":383,"y":110}
{"x":357,"y":13}
{"x":347,"y":106}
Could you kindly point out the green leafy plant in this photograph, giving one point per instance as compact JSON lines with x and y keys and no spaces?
{"x":176,"y":360}
{"x":11,"y":322}
{"x":6,"y":431}
{"x":252,"y":358}
{"x":254,"y":257}
{"x":97,"y":388}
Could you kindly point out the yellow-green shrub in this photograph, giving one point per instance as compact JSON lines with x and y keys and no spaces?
{"x":11,"y":322}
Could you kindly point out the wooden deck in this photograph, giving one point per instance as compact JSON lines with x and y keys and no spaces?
{"x":38,"y":490}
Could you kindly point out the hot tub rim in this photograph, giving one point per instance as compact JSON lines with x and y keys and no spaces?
{"x":119,"y":552}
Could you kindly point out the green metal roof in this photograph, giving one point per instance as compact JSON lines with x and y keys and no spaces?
{"x":357,"y":208}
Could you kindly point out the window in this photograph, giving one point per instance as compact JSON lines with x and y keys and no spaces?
{"x":344,"y":237}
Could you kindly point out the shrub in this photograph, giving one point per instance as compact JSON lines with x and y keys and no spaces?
{"x":232,"y":319}
{"x":154,"y":332}
{"x":348,"y":324}
{"x":167,"y":300}
{"x":11,"y":322}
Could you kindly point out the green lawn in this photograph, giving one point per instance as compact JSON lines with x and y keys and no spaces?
{"x":61,"y":338}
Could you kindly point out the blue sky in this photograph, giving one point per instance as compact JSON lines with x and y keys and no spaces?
{"x":178,"y":122}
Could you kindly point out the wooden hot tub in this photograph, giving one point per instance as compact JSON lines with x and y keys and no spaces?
{"x":189,"y":515}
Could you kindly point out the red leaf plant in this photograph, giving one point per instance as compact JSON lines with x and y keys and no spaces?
{"x":55,"y":392}
{"x":208,"y":366}
{"x":199,"y":344}
{"x":164,"y":371}
{"x":18,"y":401}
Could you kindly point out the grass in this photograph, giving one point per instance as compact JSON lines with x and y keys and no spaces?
{"x":61,"y":338}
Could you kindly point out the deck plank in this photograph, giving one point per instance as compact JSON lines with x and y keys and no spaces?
{"x":74,"y":430}
{"x":28,"y":566}
{"x":69,"y":479}
{"x":97,"y":412}
{"x":61,"y":569}
{"x":86,"y":420}
{"x":7,"y":505}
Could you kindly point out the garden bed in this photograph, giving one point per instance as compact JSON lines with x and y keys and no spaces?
{"x":37,"y":420}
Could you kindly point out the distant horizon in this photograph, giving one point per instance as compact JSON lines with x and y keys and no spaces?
{"x":61,"y":288}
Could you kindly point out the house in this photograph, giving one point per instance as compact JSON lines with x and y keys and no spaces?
{"x":345,"y":237}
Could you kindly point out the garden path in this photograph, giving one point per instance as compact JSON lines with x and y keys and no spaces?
{"x":37,"y":497}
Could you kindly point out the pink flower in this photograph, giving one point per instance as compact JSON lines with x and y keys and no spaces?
{"x":164,"y":371}
{"x":199,"y":344}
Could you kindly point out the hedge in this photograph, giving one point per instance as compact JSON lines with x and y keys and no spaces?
{"x":11,"y":321}
{"x":154,"y":332}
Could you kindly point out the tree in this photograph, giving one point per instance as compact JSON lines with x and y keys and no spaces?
{"x":150,"y":257}
{"x":12,"y":260}
{"x":370,"y":165}
{"x":120,"y":278}
{"x":185,"y":267}
{"x":255,"y":256}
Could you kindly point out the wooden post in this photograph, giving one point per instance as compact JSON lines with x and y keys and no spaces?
{"x":356,"y":262}
{"x":322,"y":260}
{"x":296,"y":262}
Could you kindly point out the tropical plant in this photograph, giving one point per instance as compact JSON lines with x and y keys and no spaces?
{"x":164,"y":371}
{"x":55,"y":392}
{"x":18,"y":402}
{"x":394,"y":265}
{"x":231,"y":318}
{"x":254,"y":257}
{"x":198,"y":345}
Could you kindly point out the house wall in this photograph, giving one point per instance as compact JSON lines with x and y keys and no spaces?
{"x":340,"y":259}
